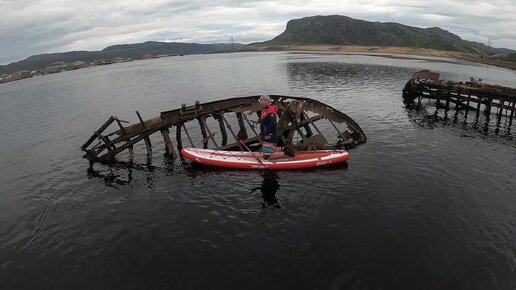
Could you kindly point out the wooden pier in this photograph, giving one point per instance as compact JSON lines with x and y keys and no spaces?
{"x":224,"y":125}
{"x":473,"y":95}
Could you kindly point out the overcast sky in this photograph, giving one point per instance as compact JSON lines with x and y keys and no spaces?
{"x":29,"y":27}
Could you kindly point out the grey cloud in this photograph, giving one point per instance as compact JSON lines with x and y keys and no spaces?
{"x":28,"y":27}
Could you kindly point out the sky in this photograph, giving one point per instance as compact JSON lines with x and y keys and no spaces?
{"x":30,"y":27}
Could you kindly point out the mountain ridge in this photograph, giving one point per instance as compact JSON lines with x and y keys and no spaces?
{"x":332,"y":30}
{"x":344,"y":30}
{"x":134,"y":51}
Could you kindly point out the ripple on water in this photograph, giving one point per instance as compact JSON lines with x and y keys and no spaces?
{"x":424,"y":195}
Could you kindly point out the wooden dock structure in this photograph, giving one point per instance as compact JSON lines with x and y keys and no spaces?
{"x":224,"y":125}
{"x":473,"y":95}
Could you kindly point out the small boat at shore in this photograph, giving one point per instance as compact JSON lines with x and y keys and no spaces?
{"x":255,"y":160}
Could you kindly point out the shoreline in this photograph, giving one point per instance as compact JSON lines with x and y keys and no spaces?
{"x":388,"y":51}
{"x":385,"y":50}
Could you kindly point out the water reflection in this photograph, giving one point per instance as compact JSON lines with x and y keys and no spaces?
{"x":121,"y":173}
{"x":336,"y":74}
{"x":110,"y":177}
{"x":471,"y":124}
{"x":336,"y":229}
{"x":269,"y":187}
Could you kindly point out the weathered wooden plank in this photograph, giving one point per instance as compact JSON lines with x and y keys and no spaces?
{"x":447,"y":104}
{"x":99,"y":131}
{"x":123,"y":131}
{"x":106,"y":140}
{"x":203,"y":133}
{"x":500,"y":111}
{"x":222,"y":128}
{"x":251,"y":140}
{"x":175,"y":115}
{"x":231,"y":131}
{"x":338,"y":131}
{"x":137,"y":128}
{"x":251,"y":125}
{"x":307,"y":128}
{"x":242,"y":133}
{"x":179,"y":138}
{"x":129,"y":144}
{"x":146,"y":138}
{"x":130,"y":135}
{"x":210,"y":135}
{"x":479,"y":102}
{"x":312,"y":121}
{"x":171,"y":150}
{"x":188,"y":136}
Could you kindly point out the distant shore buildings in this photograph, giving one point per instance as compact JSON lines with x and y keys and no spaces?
{"x":61,"y":66}
{"x":58,"y":67}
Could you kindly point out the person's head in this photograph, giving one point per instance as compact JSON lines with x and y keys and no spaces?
{"x":265,"y":100}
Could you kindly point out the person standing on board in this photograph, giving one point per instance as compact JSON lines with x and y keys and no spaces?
{"x":268,"y":130}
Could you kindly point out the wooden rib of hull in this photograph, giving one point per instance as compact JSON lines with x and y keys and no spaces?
{"x":293,"y":119}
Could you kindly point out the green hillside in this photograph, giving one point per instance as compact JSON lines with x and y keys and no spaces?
{"x":342,"y":30}
{"x":134,"y":51}
{"x":511,"y":57}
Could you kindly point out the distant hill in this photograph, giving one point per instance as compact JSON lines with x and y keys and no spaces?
{"x":135,"y":51}
{"x":342,"y":30}
{"x":511,"y":57}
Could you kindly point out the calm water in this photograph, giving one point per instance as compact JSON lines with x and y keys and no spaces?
{"x":423,"y":205}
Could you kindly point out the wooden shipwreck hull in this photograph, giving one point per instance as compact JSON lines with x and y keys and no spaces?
{"x":224,"y":124}
{"x":473,"y":95}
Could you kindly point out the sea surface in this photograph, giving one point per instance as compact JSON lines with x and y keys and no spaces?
{"x":427,"y":203}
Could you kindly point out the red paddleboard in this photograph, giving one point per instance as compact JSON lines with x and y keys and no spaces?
{"x":255,"y":160}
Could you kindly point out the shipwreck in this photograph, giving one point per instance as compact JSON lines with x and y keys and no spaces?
{"x":303,"y":123}
{"x":482,"y":99}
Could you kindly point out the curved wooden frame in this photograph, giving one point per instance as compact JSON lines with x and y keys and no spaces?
{"x":293,"y":117}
